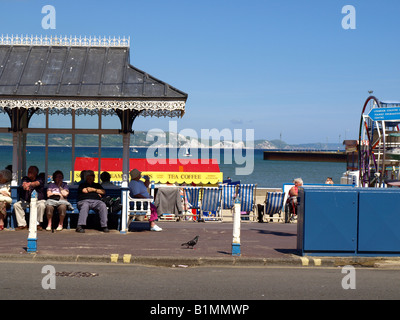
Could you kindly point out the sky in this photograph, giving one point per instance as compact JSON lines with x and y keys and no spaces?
{"x":281,"y":68}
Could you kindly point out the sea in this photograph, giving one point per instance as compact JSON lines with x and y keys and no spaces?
{"x":246,"y":166}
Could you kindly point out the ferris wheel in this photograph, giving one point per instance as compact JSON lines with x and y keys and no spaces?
{"x":379,"y":143}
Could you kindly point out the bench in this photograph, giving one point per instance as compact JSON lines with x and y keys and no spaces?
{"x":132,"y":207}
{"x":11,"y":222}
{"x":72,"y":198}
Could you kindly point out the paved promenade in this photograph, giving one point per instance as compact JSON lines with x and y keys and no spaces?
{"x":262,"y":244}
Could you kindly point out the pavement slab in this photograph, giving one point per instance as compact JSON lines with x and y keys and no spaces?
{"x":261,"y":244}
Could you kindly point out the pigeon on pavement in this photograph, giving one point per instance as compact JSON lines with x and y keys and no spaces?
{"x":191,"y":243}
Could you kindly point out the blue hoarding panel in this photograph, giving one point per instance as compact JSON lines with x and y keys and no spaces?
{"x":379,"y":221}
{"x":330,"y":220}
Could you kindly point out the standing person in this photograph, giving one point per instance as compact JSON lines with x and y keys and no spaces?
{"x":57,"y":194}
{"x":138,"y":189}
{"x":31,"y":182}
{"x":89,"y":195}
{"x":5,"y":195}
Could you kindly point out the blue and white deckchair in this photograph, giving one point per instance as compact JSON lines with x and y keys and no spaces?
{"x":228,"y":196}
{"x":211,"y":203}
{"x":247,"y":195}
{"x":192,"y":197}
{"x":273,"y":205}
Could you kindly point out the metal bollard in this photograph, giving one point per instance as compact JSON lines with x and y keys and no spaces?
{"x":32,"y":236}
{"x":236,"y":228}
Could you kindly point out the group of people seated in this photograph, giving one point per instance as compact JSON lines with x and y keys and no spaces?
{"x":89,"y":197}
{"x":55,"y":198}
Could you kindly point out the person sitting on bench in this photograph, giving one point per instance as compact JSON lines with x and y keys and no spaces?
{"x":89,"y":197}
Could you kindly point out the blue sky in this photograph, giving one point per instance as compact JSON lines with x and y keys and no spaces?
{"x":281,"y":67}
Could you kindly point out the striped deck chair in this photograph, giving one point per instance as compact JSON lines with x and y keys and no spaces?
{"x":273,"y":205}
{"x":191,"y":197}
{"x":211,"y":204}
{"x":228,"y":196}
{"x":247,"y":195}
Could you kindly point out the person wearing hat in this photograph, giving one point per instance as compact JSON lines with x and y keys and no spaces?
{"x":138,"y":189}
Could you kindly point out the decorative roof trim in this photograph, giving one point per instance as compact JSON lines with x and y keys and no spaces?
{"x":71,"y":41}
{"x":157,"y":108}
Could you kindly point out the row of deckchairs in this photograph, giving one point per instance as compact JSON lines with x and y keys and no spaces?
{"x":207,"y":203}
{"x":273,"y":204}
{"x":205,"y":200}
{"x":211,"y":200}
{"x":203,"y":203}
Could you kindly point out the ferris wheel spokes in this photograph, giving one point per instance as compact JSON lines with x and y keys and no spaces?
{"x":376,"y":141}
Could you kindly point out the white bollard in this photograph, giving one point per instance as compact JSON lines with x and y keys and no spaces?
{"x":32,"y":236}
{"x":236,"y":228}
{"x":124,"y":213}
{"x":152,"y":188}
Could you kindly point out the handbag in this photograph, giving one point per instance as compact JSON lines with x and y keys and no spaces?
{"x":113,"y":204}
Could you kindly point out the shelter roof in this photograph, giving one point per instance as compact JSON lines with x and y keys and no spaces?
{"x":95,"y":70}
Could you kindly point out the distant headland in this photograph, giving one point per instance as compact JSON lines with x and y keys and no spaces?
{"x":142,"y":139}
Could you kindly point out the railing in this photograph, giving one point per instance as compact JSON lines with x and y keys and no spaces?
{"x":68,"y":41}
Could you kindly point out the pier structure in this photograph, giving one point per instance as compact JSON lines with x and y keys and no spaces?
{"x":315,"y":156}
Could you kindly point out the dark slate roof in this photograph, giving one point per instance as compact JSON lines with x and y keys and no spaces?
{"x":77,"y":71}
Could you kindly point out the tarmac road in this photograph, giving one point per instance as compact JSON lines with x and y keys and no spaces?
{"x":24,"y":280}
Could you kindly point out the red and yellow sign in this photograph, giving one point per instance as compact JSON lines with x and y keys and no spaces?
{"x":196,"y":171}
